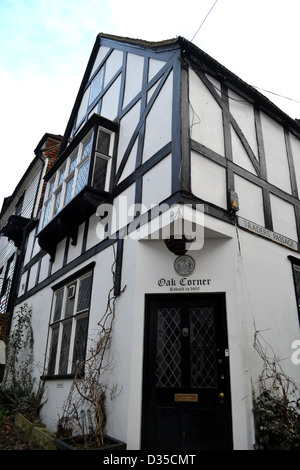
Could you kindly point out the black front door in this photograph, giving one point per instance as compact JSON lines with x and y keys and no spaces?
{"x":186,"y":389}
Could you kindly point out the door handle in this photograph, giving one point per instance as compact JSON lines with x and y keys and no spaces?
{"x":185,"y":332}
{"x":221,"y":395}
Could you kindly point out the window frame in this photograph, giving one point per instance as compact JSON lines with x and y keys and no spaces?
{"x":295,"y":264}
{"x":55,"y":362}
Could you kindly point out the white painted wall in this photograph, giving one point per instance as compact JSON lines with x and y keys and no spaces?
{"x":206,"y":125}
{"x":243,"y":112}
{"x":276,"y":156}
{"x":157,"y":183}
{"x":158,"y":130}
{"x":250,"y":200}
{"x":134,"y":77}
{"x":208,"y":180}
{"x":257,"y":296}
{"x":283,"y":217}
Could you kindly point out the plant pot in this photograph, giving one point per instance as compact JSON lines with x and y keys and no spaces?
{"x":80,"y":443}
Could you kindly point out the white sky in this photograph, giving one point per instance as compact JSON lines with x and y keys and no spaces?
{"x":45,"y":46}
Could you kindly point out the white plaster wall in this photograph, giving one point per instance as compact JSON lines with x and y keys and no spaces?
{"x":206,"y":124}
{"x":270,"y":297}
{"x":113,"y":64}
{"x":275,"y":151}
{"x":110,"y":101}
{"x":158,"y":129}
{"x":250,"y":200}
{"x":103,"y":50}
{"x":127,"y":126}
{"x":243,"y":112}
{"x":59,"y":256}
{"x":134,"y":77}
{"x":32,"y":276}
{"x":75,"y":250}
{"x":122,"y":205}
{"x":208,"y":180}
{"x":157,"y":183}
{"x":30,"y":243}
{"x":154,"y":67}
{"x":283,"y":215}
{"x":131,"y":162}
{"x":92,"y":238}
{"x":44,"y":269}
{"x":239,"y":154}
{"x":36,"y":247}
{"x":22,"y":283}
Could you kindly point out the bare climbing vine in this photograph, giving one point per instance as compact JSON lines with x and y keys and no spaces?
{"x":84,"y":409}
{"x":276,"y":403}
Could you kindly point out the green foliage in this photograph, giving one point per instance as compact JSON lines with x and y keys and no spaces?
{"x":20,"y":388}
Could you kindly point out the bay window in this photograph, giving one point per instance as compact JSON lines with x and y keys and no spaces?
{"x":77,"y":183}
{"x":68,"y":180}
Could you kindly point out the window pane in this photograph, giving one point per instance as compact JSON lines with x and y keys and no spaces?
{"x":82,"y":176}
{"x":87,"y":147}
{"x":100,"y":169}
{"x":51,"y":188}
{"x":47,"y":212}
{"x":73,"y":163}
{"x":65,"y":347}
{"x":69,"y":307}
{"x":84,"y":293}
{"x":58,"y":305}
{"x":80,"y":343}
{"x":96,"y":86}
{"x":53,"y":350}
{"x":103,"y":142}
{"x":57,"y":202}
{"x":69,"y":189}
{"x":61,"y":175}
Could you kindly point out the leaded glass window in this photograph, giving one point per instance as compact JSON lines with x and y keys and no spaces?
{"x":69,"y":326}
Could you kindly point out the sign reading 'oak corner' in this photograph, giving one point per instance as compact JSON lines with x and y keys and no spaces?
{"x":262,"y":231}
